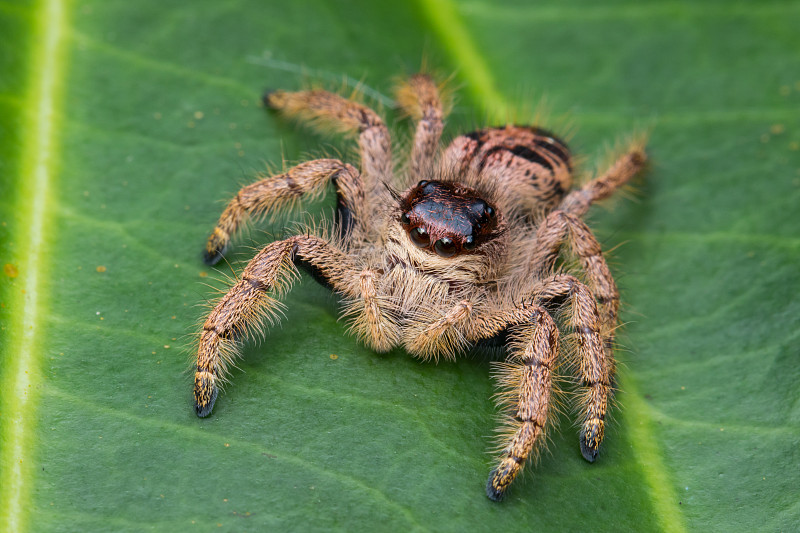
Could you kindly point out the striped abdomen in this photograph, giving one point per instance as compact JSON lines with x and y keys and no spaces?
{"x":531,"y":162}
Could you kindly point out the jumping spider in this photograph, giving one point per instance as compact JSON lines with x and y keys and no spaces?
{"x":464,"y":256}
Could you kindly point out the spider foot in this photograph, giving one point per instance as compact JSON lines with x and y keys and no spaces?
{"x":216,"y":246}
{"x":205,"y":393}
{"x":500,"y":478}
{"x":591,"y":437}
{"x":267,"y":98}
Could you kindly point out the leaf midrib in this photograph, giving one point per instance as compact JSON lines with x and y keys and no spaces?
{"x":39,"y":161}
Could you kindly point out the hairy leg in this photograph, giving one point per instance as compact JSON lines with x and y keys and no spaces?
{"x":338,"y":113}
{"x":526,"y":382}
{"x":618,"y":174}
{"x":254,"y":298}
{"x":443,"y":337}
{"x":561,"y":228}
{"x":595,"y":362}
{"x":419,"y":98}
{"x":277,"y":192}
{"x":371,"y":320}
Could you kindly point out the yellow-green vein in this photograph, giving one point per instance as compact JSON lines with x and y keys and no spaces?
{"x":37,"y":170}
{"x":443,"y":17}
{"x":648,"y":454}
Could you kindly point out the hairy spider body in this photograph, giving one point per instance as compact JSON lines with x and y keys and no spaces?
{"x":465,"y":255}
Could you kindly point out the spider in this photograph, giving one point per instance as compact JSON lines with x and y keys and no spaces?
{"x":459,"y":249}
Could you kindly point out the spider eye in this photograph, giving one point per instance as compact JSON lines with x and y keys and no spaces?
{"x":420,"y":237}
{"x":482,"y":209}
{"x":445,"y":247}
{"x":470,"y":243}
{"x":422,"y":183}
{"x":404,"y":218}
{"x":479,"y":207}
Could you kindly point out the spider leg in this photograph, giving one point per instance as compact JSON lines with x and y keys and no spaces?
{"x":372,"y":320}
{"x":267,"y":277}
{"x":276,"y":192}
{"x":559,"y":228}
{"x":527,"y":376}
{"x":419,"y":98}
{"x":347,"y":116}
{"x":595,"y":361}
{"x":618,"y":174}
{"x":601,"y":298}
{"x":442,"y":337}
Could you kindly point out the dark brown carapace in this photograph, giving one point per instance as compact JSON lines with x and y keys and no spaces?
{"x":447,"y":218}
{"x":464,"y":256}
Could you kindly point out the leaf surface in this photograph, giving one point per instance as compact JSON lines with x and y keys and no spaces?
{"x":127,"y":125}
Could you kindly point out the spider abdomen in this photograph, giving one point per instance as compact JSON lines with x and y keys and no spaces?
{"x":532,"y":162}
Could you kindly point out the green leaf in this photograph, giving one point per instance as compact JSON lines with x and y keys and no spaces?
{"x":127,"y":125}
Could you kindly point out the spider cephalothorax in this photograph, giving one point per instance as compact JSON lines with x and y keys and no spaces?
{"x":464,"y":256}
{"x":447,"y":218}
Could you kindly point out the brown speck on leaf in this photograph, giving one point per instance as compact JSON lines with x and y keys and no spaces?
{"x":10,"y":270}
{"x":101,"y":269}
